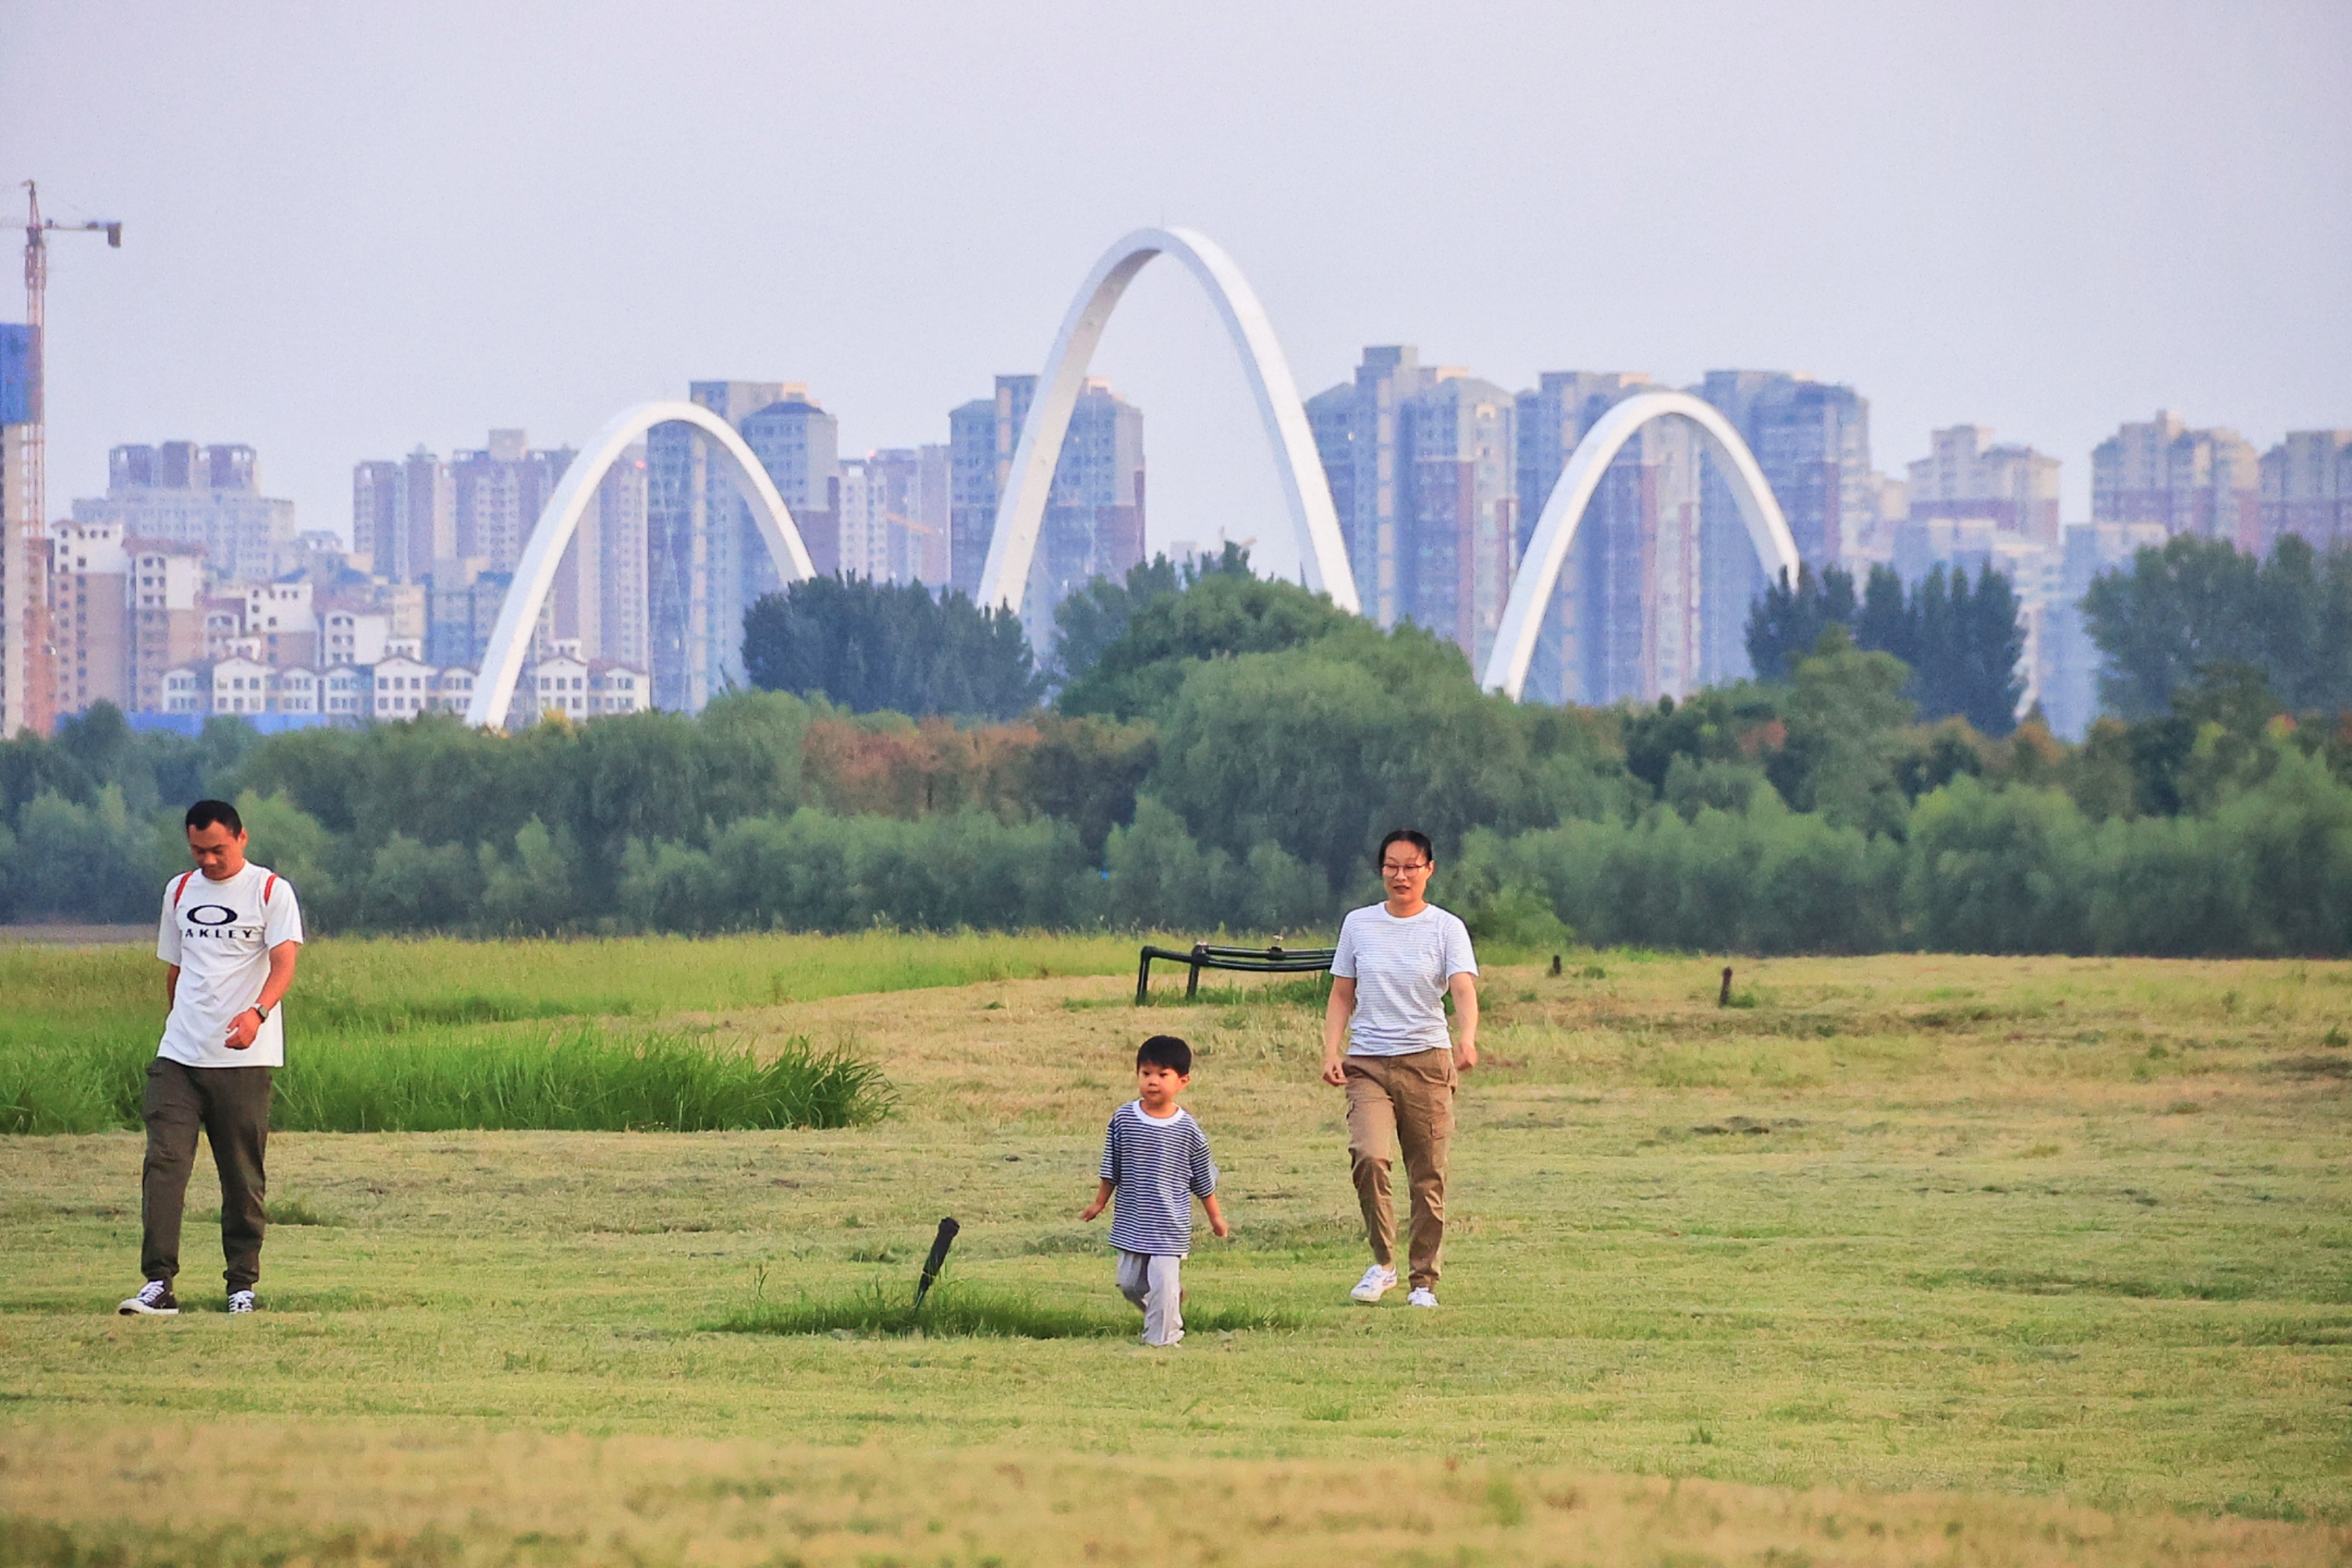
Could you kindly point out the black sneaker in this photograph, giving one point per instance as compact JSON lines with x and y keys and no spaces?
{"x":155,"y":1300}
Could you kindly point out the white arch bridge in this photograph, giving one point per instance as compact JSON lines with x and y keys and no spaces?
{"x":1021,"y":510}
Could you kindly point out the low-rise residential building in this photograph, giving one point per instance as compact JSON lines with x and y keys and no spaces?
{"x":401,"y":688}
{"x":187,"y":687}
{"x":240,"y":685}
{"x":614,"y":687}
{"x":295,"y":690}
{"x":453,"y":693}
{"x":559,"y":684}
{"x":343,"y":692}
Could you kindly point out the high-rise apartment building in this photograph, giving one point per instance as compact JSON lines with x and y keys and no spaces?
{"x":2068,"y":662}
{"x":1653,"y":595}
{"x":166,"y":595}
{"x":1812,"y":438}
{"x":1355,"y":425}
{"x":181,"y":493}
{"x":1093,"y":525}
{"x":1964,"y":476}
{"x":2206,"y":482}
{"x":497,"y":494}
{"x":707,"y":560}
{"x":894,"y":515}
{"x":1552,"y":419}
{"x":1457,"y":540}
{"x":90,"y":615}
{"x":404,"y":515}
{"x":799,"y":444}
{"x":598,"y":598}
{"x":981,"y":437}
{"x":2308,"y":488}
{"x":24,"y":663}
{"x":1094,"y":520}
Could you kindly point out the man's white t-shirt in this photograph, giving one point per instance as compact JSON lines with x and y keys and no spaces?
{"x":1401,"y":968}
{"x":220,"y":934}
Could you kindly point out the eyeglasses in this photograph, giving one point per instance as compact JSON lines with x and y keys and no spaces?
{"x":1390,"y":869}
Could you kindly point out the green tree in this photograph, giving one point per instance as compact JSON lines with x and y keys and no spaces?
{"x":869,"y":647}
{"x":1966,"y":643}
{"x":1220,"y":612}
{"x":1847,"y":714}
{"x":1088,"y":621}
{"x":1788,"y":620}
{"x":2177,"y":610}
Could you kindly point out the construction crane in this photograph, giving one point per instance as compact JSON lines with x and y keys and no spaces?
{"x":34,"y":700}
{"x":36,"y":287}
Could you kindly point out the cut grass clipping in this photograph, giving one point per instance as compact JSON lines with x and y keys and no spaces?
{"x":958,"y":1310}
{"x":582,"y":1081}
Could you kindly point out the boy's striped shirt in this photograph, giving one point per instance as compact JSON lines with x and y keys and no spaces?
{"x":1157,"y":1168}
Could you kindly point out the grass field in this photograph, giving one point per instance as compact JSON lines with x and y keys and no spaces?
{"x":1906,"y":1259}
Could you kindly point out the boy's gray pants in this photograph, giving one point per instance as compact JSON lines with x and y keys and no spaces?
{"x":1154,"y":1283}
{"x":231,"y":1107}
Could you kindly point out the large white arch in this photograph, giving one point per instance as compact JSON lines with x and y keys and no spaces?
{"x":1021,"y":510}
{"x":1531,"y":590}
{"x":535,"y":574}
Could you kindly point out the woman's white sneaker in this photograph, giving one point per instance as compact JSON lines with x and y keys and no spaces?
{"x":1422,"y":1297}
{"x":1375,"y":1283}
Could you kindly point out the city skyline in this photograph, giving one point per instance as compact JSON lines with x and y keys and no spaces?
{"x":1818,"y":220}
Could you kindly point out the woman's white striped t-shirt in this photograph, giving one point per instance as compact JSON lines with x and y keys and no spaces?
{"x":1401,"y":968}
{"x":1156,"y":1168}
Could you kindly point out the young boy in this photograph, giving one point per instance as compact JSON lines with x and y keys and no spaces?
{"x":1156,"y":1158}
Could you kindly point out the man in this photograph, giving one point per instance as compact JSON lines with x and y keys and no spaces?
{"x":1396,"y":963}
{"x":231,"y":932}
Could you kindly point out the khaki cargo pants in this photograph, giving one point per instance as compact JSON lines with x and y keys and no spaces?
{"x":1402,"y":1103}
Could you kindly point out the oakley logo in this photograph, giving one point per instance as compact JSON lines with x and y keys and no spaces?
{"x":211,"y":915}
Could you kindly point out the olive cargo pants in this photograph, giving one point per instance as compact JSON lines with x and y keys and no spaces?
{"x":1407,"y":1103}
{"x":231,"y":1106}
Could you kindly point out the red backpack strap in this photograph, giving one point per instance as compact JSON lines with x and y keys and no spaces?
{"x":178,"y":887}
{"x":268,"y":887}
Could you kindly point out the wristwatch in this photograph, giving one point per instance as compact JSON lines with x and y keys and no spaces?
{"x":260,"y":1011}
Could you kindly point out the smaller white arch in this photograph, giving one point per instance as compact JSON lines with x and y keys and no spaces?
{"x":1021,"y":510}
{"x":1531,"y":590}
{"x":535,"y":573}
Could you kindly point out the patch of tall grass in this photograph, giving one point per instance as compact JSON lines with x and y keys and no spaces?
{"x":436,"y":1031}
{"x":958,"y":1310}
{"x":586,"y":1080}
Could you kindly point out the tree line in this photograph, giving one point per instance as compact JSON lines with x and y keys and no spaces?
{"x":1224,"y":754}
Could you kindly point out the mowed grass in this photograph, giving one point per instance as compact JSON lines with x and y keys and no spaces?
{"x":1956,"y":1259}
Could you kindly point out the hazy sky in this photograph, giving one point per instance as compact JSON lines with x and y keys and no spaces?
{"x":352,"y":229}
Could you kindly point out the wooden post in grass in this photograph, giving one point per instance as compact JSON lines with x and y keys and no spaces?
{"x":936,"y":1261}
{"x":1723,"y":997}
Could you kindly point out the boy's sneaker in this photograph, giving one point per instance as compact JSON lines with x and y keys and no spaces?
{"x":1423,"y":1296}
{"x":155,"y":1300}
{"x":1375,"y":1283}
{"x":239,"y":1301}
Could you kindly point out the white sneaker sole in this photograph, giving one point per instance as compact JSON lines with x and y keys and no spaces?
{"x":137,"y":1308}
{"x":1368,"y":1294}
